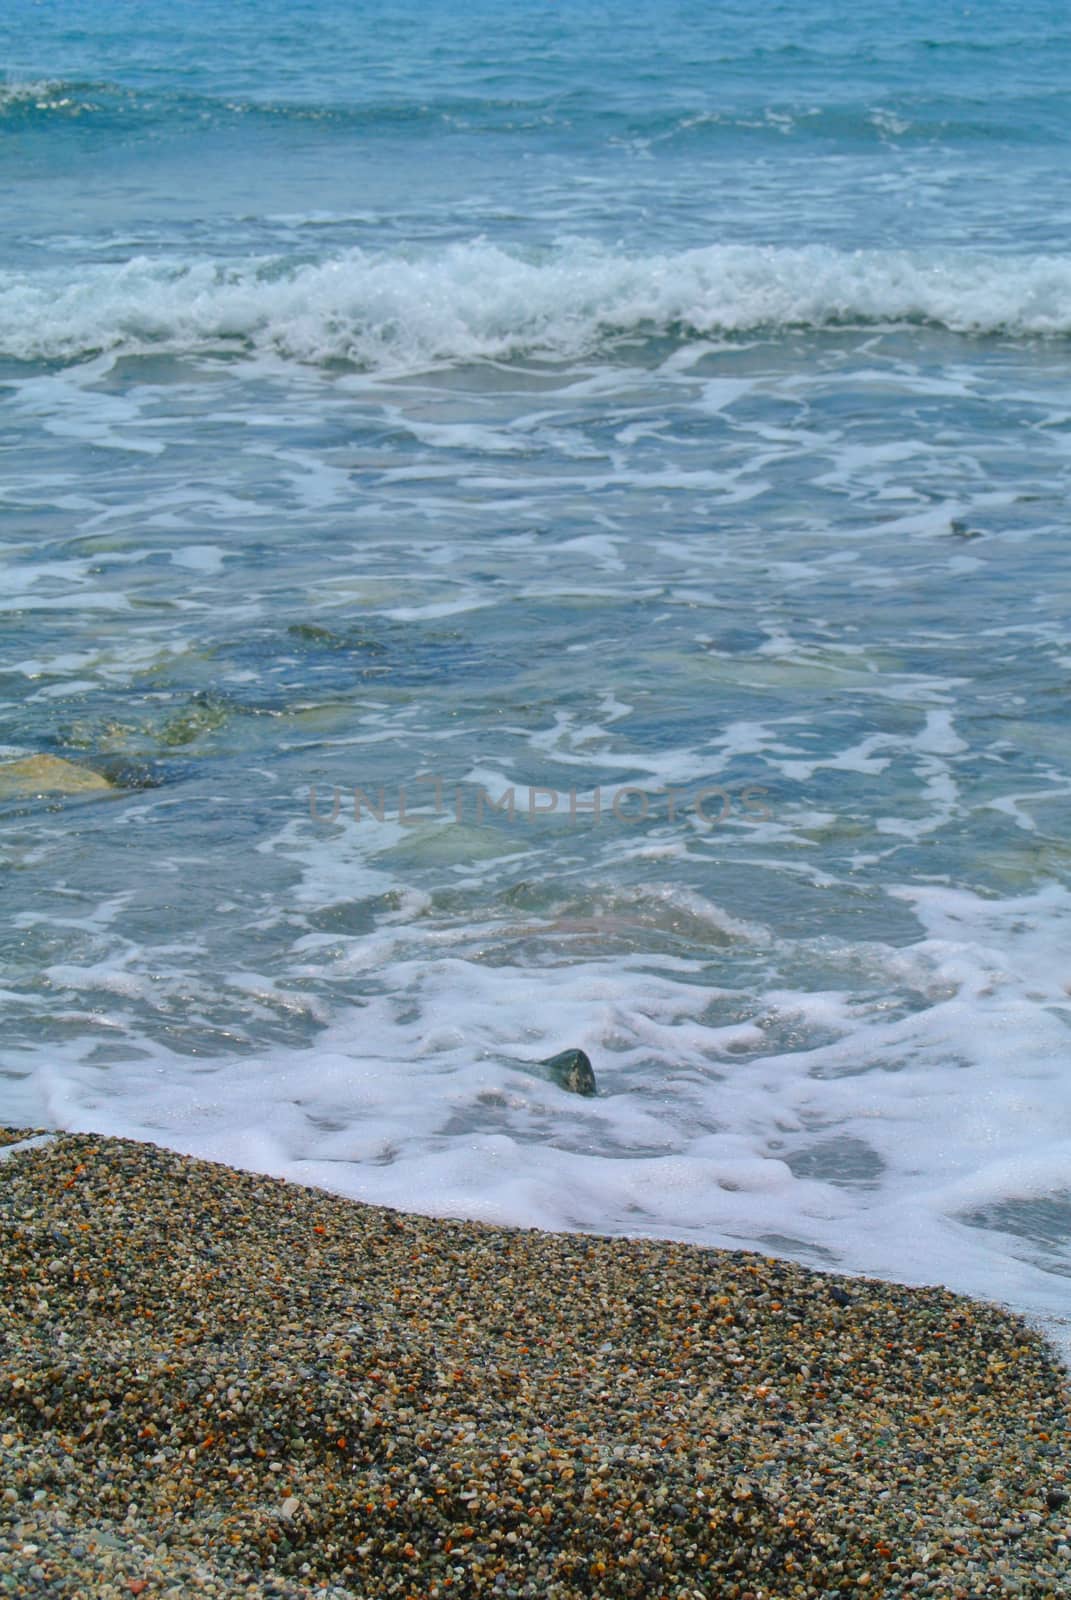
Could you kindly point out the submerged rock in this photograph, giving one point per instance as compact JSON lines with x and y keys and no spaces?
{"x":315,"y":637}
{"x":203,"y":714}
{"x":127,"y":772}
{"x":31,"y":775}
{"x":573,"y":1071}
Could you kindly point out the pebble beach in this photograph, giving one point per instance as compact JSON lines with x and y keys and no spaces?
{"x":216,"y":1383}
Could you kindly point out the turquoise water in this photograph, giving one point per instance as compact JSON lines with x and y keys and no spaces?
{"x":657,"y":414}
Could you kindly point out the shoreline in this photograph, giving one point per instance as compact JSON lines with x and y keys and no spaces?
{"x":219,"y":1383}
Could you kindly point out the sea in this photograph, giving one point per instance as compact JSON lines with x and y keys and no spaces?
{"x":552,"y":520}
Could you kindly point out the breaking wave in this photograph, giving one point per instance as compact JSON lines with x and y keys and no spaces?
{"x":477,"y":301}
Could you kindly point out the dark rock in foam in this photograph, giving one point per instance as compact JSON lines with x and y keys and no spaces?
{"x":573,"y":1071}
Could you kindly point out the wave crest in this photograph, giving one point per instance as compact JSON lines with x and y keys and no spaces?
{"x":478,"y":301}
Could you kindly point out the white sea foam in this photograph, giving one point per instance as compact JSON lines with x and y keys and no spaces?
{"x":827,"y":1122}
{"x":477,"y":301}
{"x":42,"y":94}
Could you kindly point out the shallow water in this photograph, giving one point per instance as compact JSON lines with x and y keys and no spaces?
{"x":679,"y":428}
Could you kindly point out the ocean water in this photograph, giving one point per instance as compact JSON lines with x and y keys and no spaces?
{"x":553,"y":518}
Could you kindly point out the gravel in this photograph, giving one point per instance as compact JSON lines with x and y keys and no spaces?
{"x":219,"y":1384}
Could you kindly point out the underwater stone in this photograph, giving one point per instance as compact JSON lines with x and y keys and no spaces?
{"x":42,"y":774}
{"x":203,"y":714}
{"x":573,"y":1071}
